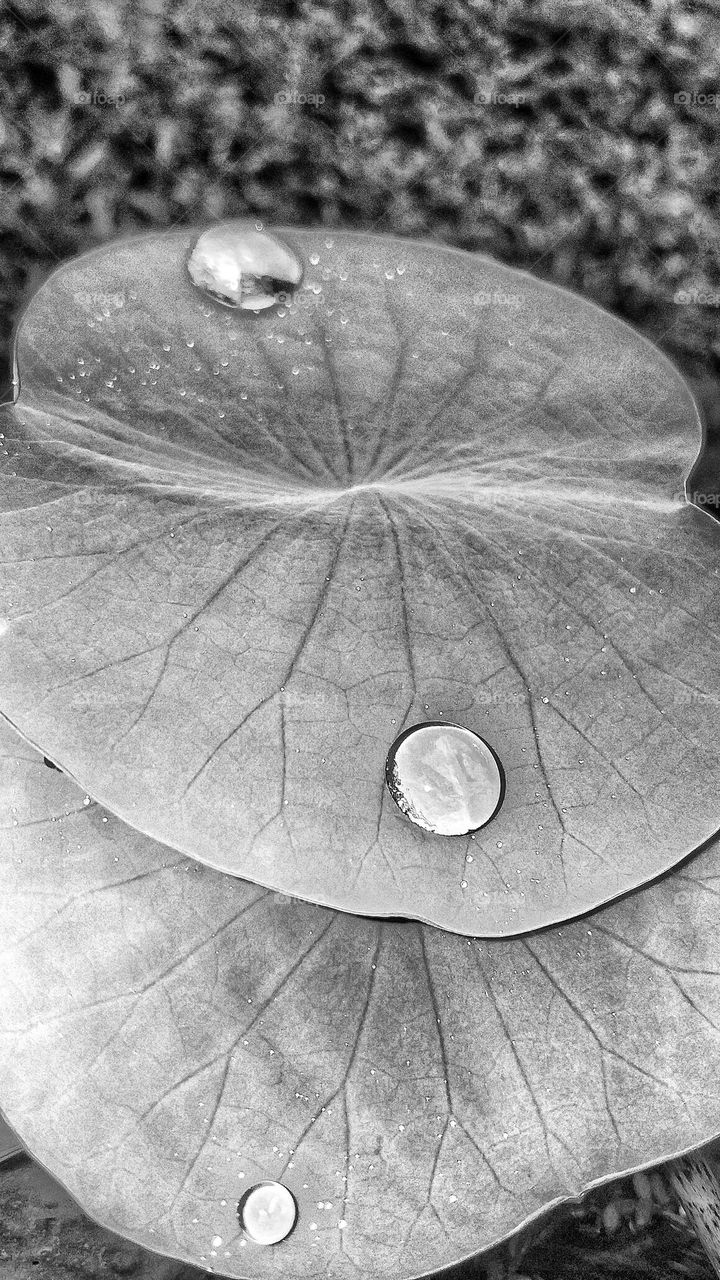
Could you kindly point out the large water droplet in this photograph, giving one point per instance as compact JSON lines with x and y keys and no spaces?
{"x":267,"y":1212}
{"x":242,"y":267}
{"x":445,"y":778}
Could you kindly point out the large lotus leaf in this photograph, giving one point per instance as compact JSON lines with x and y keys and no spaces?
{"x":171,"y":1036}
{"x":243,"y":551}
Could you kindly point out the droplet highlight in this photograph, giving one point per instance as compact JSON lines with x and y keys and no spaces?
{"x":241,"y":267}
{"x":445,"y":778}
{"x":267,"y":1213}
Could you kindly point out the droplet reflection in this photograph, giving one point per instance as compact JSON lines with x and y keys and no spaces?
{"x":445,"y":778}
{"x":267,"y":1212}
{"x":241,"y":267}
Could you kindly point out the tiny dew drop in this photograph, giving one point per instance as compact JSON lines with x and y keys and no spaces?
{"x":267,"y":1213}
{"x":445,"y":778}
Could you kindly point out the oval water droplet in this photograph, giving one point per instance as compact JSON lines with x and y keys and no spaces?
{"x":445,"y":778}
{"x":240,"y":266}
{"x":267,"y":1212}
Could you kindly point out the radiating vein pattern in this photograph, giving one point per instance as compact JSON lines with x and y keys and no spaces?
{"x":276,"y":541}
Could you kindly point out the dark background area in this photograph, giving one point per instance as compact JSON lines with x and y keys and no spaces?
{"x":576,"y":140}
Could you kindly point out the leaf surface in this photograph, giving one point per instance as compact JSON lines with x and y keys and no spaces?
{"x":170,"y":1036}
{"x":243,"y":552}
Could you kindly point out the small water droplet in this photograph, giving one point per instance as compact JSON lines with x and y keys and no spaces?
{"x":545,"y":700}
{"x":400,"y":270}
{"x":314,"y":258}
{"x":189,"y":342}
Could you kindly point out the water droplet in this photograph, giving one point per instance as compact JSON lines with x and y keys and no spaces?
{"x":400,"y":270}
{"x":545,"y":700}
{"x":267,"y":1212}
{"x":245,"y":268}
{"x":445,"y":778}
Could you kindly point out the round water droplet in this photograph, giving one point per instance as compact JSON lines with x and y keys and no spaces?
{"x":267,"y":1212}
{"x":445,"y":778}
{"x":243,"y":267}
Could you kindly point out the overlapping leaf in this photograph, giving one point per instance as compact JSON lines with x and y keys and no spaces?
{"x":170,"y":1036}
{"x":243,"y":552}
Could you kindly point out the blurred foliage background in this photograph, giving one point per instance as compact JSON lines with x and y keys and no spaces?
{"x":575,"y":140}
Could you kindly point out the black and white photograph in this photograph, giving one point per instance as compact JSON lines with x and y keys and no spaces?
{"x":360,"y":639}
